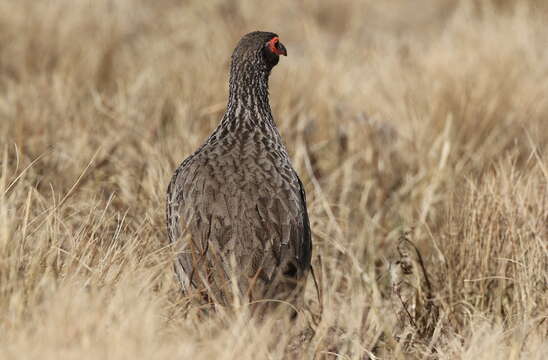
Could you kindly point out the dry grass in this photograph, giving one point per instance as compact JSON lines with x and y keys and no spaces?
{"x":397,"y":115}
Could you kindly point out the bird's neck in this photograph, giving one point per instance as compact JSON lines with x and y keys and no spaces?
{"x":248,"y":97}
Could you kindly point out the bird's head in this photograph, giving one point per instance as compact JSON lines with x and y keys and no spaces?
{"x":259,"y":49}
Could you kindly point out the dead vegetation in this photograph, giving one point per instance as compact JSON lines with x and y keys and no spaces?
{"x":435,"y":121}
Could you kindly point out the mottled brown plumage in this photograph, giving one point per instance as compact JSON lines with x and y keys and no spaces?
{"x":236,"y":209}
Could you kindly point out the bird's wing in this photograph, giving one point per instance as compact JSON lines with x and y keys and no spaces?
{"x":262,"y":227}
{"x":278,"y":223}
{"x":183,"y":216}
{"x":204,"y":224}
{"x":305,"y":251}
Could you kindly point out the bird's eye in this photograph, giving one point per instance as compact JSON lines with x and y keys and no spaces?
{"x":276,"y":47}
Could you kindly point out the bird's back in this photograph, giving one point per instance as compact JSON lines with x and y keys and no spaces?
{"x":240,"y":206}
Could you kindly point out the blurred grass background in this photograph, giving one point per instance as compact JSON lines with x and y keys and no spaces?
{"x":398,"y":115}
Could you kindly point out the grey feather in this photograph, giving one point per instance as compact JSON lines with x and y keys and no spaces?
{"x":236,"y":209}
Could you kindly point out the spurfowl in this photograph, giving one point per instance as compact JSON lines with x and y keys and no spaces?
{"x":236,"y":209}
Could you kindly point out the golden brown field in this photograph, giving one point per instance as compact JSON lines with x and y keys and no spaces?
{"x":399,"y":115}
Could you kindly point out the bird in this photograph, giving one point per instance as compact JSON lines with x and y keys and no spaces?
{"x":236,"y":208}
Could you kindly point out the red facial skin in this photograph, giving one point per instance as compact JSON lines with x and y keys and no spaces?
{"x":277,"y":47}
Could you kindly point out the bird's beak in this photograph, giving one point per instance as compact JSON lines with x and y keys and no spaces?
{"x":281,"y":49}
